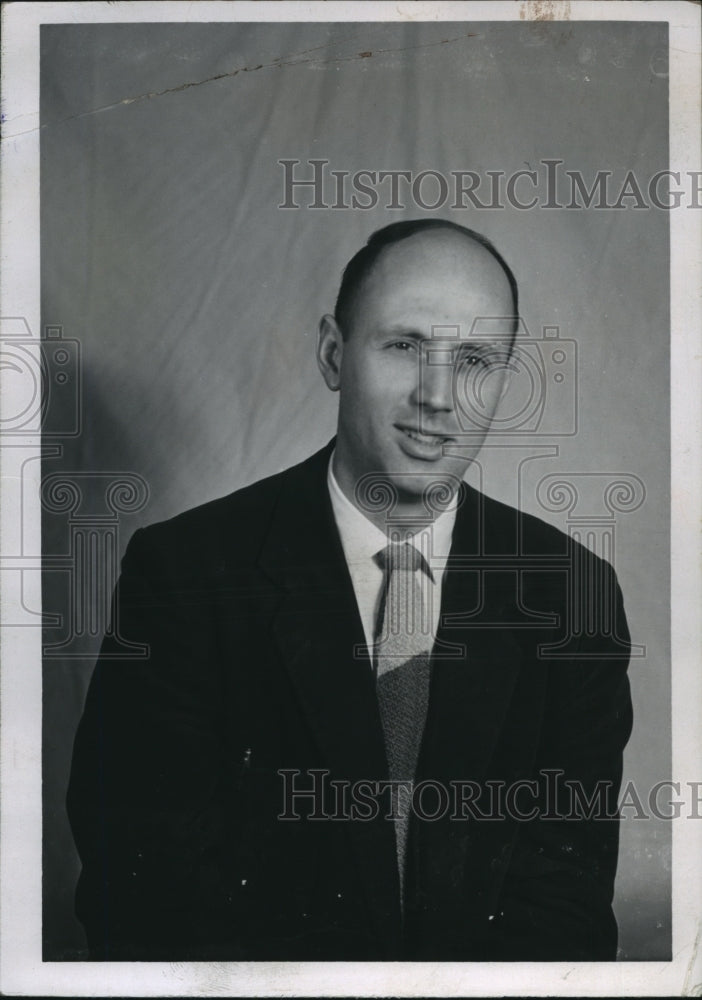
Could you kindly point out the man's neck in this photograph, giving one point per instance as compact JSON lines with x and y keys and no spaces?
{"x":399,"y":516}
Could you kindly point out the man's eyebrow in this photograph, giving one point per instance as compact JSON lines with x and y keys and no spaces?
{"x":444,"y":341}
{"x":407,"y":334}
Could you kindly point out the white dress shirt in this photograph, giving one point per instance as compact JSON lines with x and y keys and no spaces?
{"x":361,"y":540}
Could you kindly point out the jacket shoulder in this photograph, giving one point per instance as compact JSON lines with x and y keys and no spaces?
{"x":200,"y":539}
{"x":515,"y":531}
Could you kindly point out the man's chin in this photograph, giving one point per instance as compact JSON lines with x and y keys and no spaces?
{"x":408,"y":489}
{"x":427,"y":491}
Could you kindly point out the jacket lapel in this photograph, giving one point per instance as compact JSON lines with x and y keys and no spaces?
{"x":318,"y":631}
{"x":470,"y":693}
{"x":469,"y":699}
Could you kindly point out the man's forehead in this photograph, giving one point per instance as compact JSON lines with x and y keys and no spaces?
{"x":441,"y":252}
{"x":441,"y":281}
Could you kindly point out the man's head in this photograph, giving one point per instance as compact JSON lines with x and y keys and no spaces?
{"x":414,"y":288}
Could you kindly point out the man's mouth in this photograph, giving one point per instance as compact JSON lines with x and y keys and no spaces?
{"x":428,"y":439}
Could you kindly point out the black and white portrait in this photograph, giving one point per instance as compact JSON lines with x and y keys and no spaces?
{"x":352,"y":499}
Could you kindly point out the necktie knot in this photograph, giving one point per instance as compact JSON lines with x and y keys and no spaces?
{"x":401,"y":556}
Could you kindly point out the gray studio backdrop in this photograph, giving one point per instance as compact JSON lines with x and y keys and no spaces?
{"x":194,"y":299}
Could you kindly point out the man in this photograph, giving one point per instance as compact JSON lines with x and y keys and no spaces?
{"x":331,"y":647}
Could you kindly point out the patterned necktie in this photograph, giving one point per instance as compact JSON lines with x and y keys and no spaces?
{"x":403,"y":650}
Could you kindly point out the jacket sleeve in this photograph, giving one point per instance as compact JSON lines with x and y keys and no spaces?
{"x":556,"y":900}
{"x":144,"y":800}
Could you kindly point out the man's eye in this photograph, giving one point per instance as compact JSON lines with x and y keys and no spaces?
{"x":473,"y":360}
{"x":482,"y":360}
{"x":404,"y":345}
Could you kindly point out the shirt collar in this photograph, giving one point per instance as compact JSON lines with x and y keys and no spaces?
{"x":361,"y":538}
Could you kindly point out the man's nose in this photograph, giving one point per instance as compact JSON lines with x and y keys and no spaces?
{"x":435,"y":388}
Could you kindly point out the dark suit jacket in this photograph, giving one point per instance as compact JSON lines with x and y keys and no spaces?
{"x":249,"y":612}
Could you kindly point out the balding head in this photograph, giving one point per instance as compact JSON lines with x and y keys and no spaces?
{"x":437,"y":241}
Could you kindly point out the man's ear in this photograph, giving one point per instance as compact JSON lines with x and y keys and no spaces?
{"x":330,"y":350}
